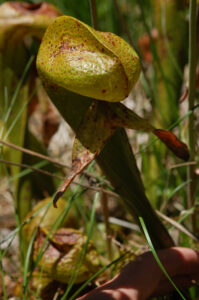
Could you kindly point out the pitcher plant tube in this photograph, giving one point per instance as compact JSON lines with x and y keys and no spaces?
{"x":101,"y":66}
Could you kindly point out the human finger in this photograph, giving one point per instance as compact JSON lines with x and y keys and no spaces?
{"x":181,"y":282}
{"x":179,"y":261}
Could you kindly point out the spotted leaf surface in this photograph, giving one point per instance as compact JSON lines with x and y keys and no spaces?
{"x":94,"y":64}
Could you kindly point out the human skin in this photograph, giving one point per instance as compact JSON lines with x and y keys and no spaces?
{"x":143,"y":278}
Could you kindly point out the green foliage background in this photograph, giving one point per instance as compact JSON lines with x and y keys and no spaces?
{"x":165,"y":187}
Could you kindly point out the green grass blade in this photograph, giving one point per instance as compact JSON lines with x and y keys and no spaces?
{"x":27,"y":263}
{"x":38,"y":165}
{"x":2,"y":277}
{"x":12,"y":235}
{"x":14,"y":97}
{"x":5,"y":102}
{"x":102,"y":270}
{"x":83,"y":253}
{"x":187,"y":213}
{"x":170,"y":52}
{"x":20,"y":113}
{"x":177,"y":189}
{"x":157,"y":258}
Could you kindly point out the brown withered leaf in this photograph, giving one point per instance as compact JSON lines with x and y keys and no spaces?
{"x":95,"y":129}
{"x":80,"y":162}
{"x":179,"y":148}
